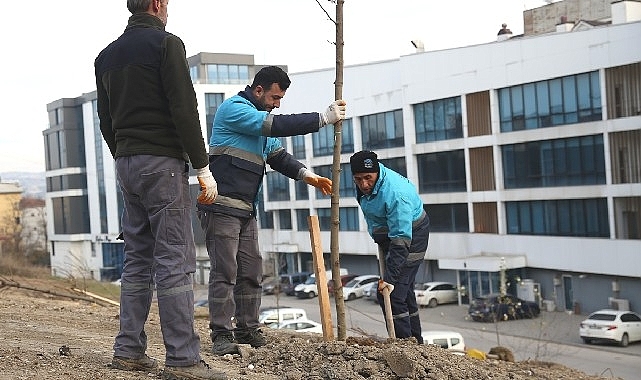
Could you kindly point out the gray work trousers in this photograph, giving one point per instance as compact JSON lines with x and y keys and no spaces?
{"x":236,"y":271}
{"x":159,"y":249}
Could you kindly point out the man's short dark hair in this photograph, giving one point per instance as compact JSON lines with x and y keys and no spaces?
{"x":269,"y":75}
{"x":136,"y":6}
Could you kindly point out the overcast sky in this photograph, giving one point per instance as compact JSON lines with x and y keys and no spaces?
{"x":49,"y":46}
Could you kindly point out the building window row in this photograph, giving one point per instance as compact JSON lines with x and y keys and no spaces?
{"x":227,"y":74}
{"x":567,"y":100}
{"x":438,"y":120}
{"x":323,"y":140}
{"x":566,"y":217}
{"x":562,"y":162}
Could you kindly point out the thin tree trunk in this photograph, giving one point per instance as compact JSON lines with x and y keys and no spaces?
{"x":336,"y":170}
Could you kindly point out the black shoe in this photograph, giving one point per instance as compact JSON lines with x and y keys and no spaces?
{"x":224,"y":344}
{"x":254,"y":337}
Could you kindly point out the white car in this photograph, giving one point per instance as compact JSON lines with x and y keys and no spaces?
{"x":299,"y":326}
{"x":356,"y":287}
{"x":450,"y":340}
{"x":434,"y":293}
{"x":617,"y":326}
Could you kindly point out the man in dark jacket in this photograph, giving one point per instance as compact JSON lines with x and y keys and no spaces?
{"x":243,"y":141}
{"x":148,"y":118}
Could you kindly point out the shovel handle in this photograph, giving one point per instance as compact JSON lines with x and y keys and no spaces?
{"x":389,"y":319}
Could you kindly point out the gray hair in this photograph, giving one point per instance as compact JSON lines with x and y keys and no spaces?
{"x":137,"y":6}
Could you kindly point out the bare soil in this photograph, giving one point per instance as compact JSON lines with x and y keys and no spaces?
{"x":46,"y":337}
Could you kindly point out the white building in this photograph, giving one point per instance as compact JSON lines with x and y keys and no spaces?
{"x":526,"y":152}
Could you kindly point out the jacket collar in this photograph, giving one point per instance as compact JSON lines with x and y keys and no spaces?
{"x":249,"y":95}
{"x":144,"y":20}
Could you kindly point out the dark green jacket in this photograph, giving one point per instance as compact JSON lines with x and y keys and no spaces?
{"x":146,"y":101}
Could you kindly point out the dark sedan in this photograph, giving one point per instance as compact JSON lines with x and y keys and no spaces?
{"x":495,"y":307}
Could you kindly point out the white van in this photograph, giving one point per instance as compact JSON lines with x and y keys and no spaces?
{"x":309,"y":289}
{"x":275,"y":315}
{"x":450,"y":340}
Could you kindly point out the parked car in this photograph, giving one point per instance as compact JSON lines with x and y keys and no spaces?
{"x":289,"y":281}
{"x":495,"y":307}
{"x":309,"y":289}
{"x":271,"y":285}
{"x":450,"y":340}
{"x":354,"y":289}
{"x":277,"y":315}
{"x":370,"y":292}
{"x":344,"y":280}
{"x":608,"y":325}
{"x":299,"y":326}
{"x":434,"y":293}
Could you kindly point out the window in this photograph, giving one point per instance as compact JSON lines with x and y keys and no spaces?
{"x":448,"y":217}
{"x":277,"y":187}
{"x":574,"y":217}
{"x":347,"y":216}
{"x":568,"y":100}
{"x":323,"y":141}
{"x":347,"y":188}
{"x":227,"y":74}
{"x":72,"y":216}
{"x":266,"y":218}
{"x":285,"y":219}
{"x":438,"y":120}
{"x":302,"y":190}
{"x":212,"y":102}
{"x":441,"y":172}
{"x":298,"y":147}
{"x":397,"y":164}
{"x":382,"y":130}
{"x":193,"y":73}
{"x":563,"y":162}
{"x":301,"y":219}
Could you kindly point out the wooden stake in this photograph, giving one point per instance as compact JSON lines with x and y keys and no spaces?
{"x":321,"y":278}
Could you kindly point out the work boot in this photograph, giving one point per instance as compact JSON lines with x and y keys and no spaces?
{"x":145,"y":363}
{"x":200,"y":371}
{"x":254,"y":337}
{"x":224,"y":344}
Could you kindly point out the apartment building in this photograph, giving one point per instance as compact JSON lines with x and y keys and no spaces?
{"x":526,"y":151}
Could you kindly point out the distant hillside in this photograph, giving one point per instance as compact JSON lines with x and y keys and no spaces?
{"x":33,"y":184}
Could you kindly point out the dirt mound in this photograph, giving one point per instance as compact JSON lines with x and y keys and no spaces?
{"x":47,"y":337}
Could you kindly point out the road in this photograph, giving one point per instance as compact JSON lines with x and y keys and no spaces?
{"x":552,"y":337}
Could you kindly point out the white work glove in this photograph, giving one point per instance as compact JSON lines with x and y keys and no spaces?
{"x":321,"y":183}
{"x":334,"y":113}
{"x":208,"y":186}
{"x":382,"y":285}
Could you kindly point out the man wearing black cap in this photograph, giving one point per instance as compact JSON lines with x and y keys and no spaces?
{"x":399,"y":225}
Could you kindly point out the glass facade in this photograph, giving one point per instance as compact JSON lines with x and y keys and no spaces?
{"x":347,"y":188}
{"x":563,"y":162}
{"x":285,"y":219}
{"x":298,"y":147}
{"x":227,"y":74}
{"x":438,"y":120}
{"x":277,"y":187}
{"x":301,"y":219}
{"x":212,"y":102}
{"x":441,"y":172}
{"x":565,"y":217}
{"x":567,"y":100}
{"x":383,"y":130}
{"x":323,"y":141}
{"x":448,"y":217}
{"x":347,"y":217}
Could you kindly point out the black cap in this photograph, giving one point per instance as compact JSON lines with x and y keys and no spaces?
{"x":364,"y":161}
